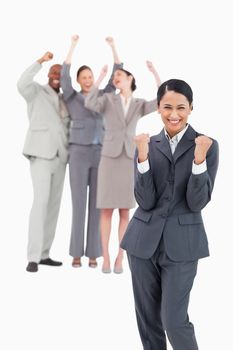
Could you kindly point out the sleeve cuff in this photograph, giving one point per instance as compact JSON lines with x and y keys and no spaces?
{"x":66,"y":66}
{"x":143,"y":167}
{"x":117,"y":66}
{"x":199,"y":169}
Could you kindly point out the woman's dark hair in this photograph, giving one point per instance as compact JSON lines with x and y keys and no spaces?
{"x":176,"y":85}
{"x":133,"y":84}
{"x":81,"y":69}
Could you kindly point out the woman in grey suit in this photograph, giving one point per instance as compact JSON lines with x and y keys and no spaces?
{"x":115,"y":173}
{"x":85,"y":142}
{"x":175,"y":175}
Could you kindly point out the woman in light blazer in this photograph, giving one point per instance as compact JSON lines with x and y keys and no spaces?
{"x":116,"y":170}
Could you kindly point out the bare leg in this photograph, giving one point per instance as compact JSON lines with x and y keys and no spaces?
{"x":105,"y":227}
{"x":123,"y":223}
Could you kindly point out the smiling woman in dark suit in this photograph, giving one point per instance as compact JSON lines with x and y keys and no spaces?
{"x":115,"y":174}
{"x":174,"y":180}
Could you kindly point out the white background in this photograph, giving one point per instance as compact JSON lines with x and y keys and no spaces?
{"x":65,"y":308}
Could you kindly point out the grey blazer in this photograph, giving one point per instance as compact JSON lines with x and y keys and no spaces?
{"x":86,"y":125}
{"x":119,"y":129}
{"x":48,"y":130}
{"x":170,"y":200}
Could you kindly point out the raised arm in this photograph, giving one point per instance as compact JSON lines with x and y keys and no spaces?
{"x":66,"y":83}
{"x":48,"y":56}
{"x":152,"y":69}
{"x":94,"y":100}
{"x":117,"y":64}
{"x":26,"y":85}
{"x":111,"y":43}
{"x":74,"y":41}
{"x":151,"y":106}
{"x":101,"y":76}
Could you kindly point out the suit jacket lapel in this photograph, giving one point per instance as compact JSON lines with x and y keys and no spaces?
{"x":119,"y":108}
{"x":132,"y":107}
{"x":162,"y":143}
{"x":185,"y":143}
{"x":53,"y":97}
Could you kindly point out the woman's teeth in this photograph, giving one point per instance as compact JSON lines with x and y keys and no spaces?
{"x":174,"y":122}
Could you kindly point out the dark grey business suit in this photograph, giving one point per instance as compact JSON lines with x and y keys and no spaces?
{"x":166,"y":237}
{"x":85,"y":144}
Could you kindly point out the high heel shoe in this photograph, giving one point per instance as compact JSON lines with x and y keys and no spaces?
{"x":118,"y":269}
{"x":76,"y":262}
{"x":106,"y":270}
{"x":92,"y":263}
{"x":106,"y":265}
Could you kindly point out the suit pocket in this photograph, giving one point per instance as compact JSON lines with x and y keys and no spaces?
{"x":108,"y":137}
{"x":39,"y":127}
{"x":192,"y":236}
{"x":142,"y":215}
{"x":190,"y":219}
{"x":76,"y":124}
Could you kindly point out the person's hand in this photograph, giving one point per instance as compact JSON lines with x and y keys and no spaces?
{"x":110,"y":41}
{"x":46,"y":57}
{"x":150,"y":66}
{"x":74,"y":39}
{"x":104,"y":71}
{"x":203,"y":144}
{"x":152,"y":69}
{"x":102,"y":75}
{"x":142,"y":143}
{"x":111,"y":44}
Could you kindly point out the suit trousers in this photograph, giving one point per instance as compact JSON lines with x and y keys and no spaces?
{"x":47,"y":180}
{"x":161,"y":293}
{"x":83,"y":166}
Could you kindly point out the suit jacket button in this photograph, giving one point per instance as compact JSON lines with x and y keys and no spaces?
{"x":164,"y":215}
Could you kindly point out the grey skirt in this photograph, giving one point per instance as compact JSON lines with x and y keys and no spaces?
{"x":115,"y":186}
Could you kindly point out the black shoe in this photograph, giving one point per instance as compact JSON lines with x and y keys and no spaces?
{"x":32,"y":267}
{"x":50,"y":262}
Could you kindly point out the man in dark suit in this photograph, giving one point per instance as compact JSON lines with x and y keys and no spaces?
{"x":175,"y":173}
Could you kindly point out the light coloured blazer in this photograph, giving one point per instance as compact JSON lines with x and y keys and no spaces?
{"x":119,"y":129}
{"x":48,"y":130}
{"x":170,"y":199}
